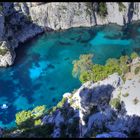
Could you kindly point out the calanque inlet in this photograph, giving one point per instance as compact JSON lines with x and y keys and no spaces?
{"x":69,"y":69}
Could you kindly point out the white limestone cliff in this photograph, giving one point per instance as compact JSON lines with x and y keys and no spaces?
{"x":21,"y":21}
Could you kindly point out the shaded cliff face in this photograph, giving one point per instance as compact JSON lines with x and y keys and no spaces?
{"x":20,"y":21}
{"x":90,"y":112}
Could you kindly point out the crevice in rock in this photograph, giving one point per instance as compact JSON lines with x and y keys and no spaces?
{"x":130,"y":12}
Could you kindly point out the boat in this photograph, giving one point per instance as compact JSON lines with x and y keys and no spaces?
{"x":4,"y":106}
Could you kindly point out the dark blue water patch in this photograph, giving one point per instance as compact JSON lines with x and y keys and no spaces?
{"x":66,"y":58}
{"x":28,"y":96}
{"x":51,"y":66}
{"x":52,"y":88}
{"x":5,"y":112}
{"x":37,"y":86}
{"x":42,"y":72}
{"x":83,"y":39}
{"x":54,"y":99}
{"x":36,"y":57}
{"x":6,"y":88}
{"x":36,"y":64}
{"x":65,"y":43}
{"x":137,"y":50}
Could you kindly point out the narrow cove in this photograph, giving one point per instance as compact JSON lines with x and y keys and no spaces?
{"x":42,"y":72}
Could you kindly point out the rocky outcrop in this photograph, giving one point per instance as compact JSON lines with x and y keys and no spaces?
{"x":7,"y":55}
{"x":97,"y":117}
{"x":95,"y":113}
{"x":96,"y":107}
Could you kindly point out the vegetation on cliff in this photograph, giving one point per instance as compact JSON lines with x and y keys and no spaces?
{"x":102,"y":9}
{"x":3,"y":51}
{"x":27,"y":119}
{"x":85,"y":70}
{"x":121,"y":6}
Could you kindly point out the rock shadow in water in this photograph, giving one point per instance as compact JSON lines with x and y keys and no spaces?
{"x":52,"y":88}
{"x":64,"y":43}
{"x":51,"y":66}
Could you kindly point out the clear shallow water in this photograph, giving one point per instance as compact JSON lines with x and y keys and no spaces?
{"x":42,"y":72}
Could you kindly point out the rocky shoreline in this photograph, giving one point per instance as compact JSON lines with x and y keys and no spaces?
{"x":98,"y":110}
{"x":21,"y":21}
{"x":107,"y":108}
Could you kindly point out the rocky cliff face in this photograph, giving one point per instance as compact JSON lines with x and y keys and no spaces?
{"x":66,"y":14}
{"x":20,"y":21}
{"x":89,"y":113}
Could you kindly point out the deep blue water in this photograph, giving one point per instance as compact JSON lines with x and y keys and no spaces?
{"x":42,"y":72}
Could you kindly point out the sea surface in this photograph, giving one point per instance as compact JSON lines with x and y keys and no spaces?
{"x":42,"y":72}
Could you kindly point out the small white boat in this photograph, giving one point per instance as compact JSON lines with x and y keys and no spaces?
{"x":4,"y":106}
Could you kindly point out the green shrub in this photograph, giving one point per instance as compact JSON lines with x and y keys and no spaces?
{"x":83,"y":64}
{"x":123,"y":78}
{"x":100,"y":72}
{"x":115,"y":103}
{"x":112,"y":61}
{"x":125,"y":68}
{"x":135,"y":101}
{"x":27,"y":119}
{"x":137,"y":70}
{"x":102,"y":9}
{"x":37,"y":122}
{"x":123,"y":60}
{"x":126,"y":94}
{"x":38,"y":111}
{"x":119,"y":96}
{"x":24,"y":119}
{"x":1,"y":8}
{"x":53,"y":109}
{"x":134,"y":55}
{"x":84,"y":76}
{"x":121,"y":6}
{"x":85,"y":70}
{"x":3,"y":51}
{"x":61,"y":103}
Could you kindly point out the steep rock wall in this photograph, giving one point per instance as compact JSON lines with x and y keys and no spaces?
{"x":20,"y":21}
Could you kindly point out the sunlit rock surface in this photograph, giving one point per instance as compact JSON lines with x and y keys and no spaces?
{"x":7,"y":58}
{"x":22,"y":21}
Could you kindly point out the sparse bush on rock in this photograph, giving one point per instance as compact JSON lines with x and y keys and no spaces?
{"x":115,"y":103}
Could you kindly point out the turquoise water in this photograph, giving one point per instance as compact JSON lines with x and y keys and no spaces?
{"x":42,"y":72}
